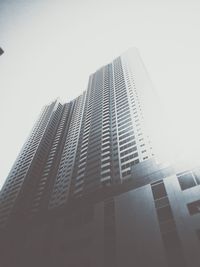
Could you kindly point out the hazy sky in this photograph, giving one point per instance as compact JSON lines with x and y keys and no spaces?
{"x":51,"y":47}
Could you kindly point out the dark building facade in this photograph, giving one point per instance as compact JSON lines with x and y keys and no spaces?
{"x":87,"y":188}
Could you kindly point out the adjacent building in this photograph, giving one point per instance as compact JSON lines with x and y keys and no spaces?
{"x":88,"y":187}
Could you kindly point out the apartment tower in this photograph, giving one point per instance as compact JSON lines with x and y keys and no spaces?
{"x":87,"y":188}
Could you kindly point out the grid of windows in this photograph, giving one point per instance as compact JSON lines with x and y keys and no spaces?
{"x":84,"y":145}
{"x":24,"y":162}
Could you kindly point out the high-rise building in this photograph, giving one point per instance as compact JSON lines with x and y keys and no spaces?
{"x":84,"y":145}
{"x":87,"y":188}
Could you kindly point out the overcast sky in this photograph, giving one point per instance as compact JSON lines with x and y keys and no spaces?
{"x":51,"y":48}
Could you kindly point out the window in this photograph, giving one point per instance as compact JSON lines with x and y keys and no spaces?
{"x":186,"y":180}
{"x":127,"y":145}
{"x":158,"y":190}
{"x":194,"y":207}
{"x":161,"y":202}
{"x":131,"y":133}
{"x":125,"y":166}
{"x":125,"y":130}
{"x":167,"y":225}
{"x":126,"y":140}
{"x":125,"y":126}
{"x":165,"y":214}
{"x":131,"y":156}
{"x":125,"y":173}
{"x":128,"y":151}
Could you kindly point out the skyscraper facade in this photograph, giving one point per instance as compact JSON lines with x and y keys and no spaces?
{"x":87,"y":188}
{"x":84,"y":145}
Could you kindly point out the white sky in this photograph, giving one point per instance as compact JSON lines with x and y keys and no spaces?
{"x":51,"y":48}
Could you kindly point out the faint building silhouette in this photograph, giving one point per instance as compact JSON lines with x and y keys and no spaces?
{"x":1,"y":51}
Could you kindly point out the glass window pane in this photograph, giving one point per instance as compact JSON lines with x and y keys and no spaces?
{"x":186,"y":181}
{"x":159,"y":191}
{"x":194,"y":207}
{"x":165,"y":214}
